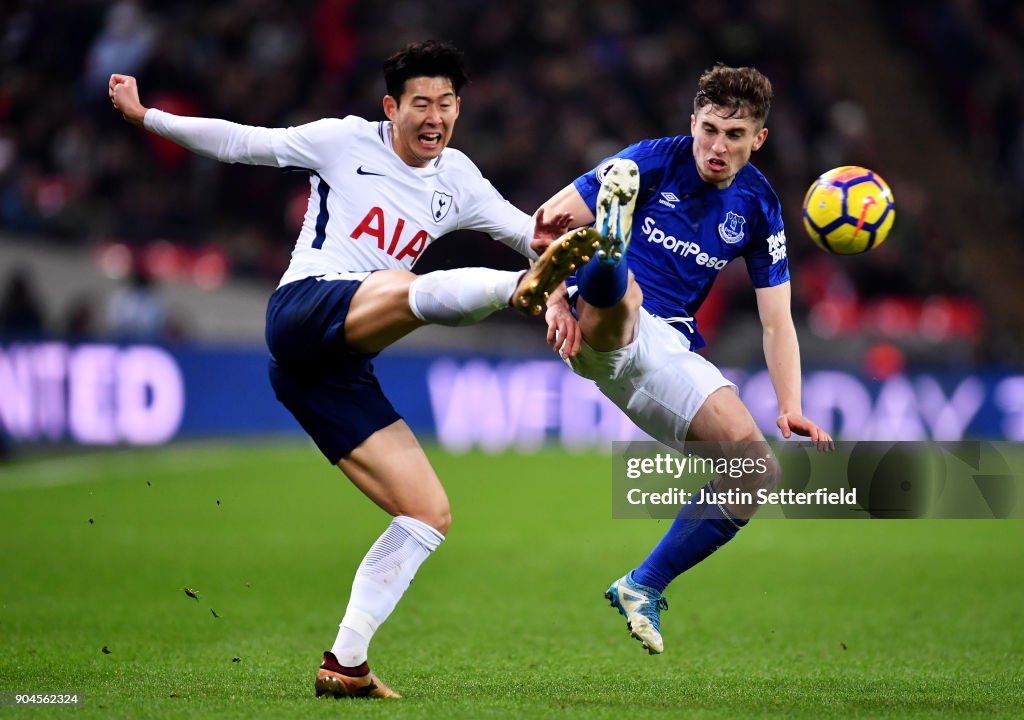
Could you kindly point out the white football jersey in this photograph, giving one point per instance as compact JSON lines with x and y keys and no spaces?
{"x":368,"y":210}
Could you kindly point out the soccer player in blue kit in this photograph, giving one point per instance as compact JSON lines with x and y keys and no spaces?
{"x":690,"y":205}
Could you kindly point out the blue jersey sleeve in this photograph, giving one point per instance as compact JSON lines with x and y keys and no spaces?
{"x":766,"y":255}
{"x":587,"y":185}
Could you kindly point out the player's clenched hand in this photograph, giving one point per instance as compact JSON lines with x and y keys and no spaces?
{"x":124,"y":95}
{"x":800,"y":425}
{"x":546,"y":230}
{"x":564,"y":334}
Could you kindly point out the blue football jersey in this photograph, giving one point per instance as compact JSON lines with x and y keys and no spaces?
{"x":685,"y":230}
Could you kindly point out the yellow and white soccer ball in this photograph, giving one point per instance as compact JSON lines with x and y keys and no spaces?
{"x":849,"y":210}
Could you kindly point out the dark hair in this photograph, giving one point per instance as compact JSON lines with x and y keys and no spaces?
{"x":430,"y":58}
{"x":741,"y":91}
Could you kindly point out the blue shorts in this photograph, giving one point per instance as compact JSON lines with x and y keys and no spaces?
{"x":329,"y":388}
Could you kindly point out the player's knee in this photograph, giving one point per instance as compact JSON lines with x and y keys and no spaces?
{"x":438,"y":517}
{"x":754,"y":466}
{"x":443,"y":522}
{"x":767,"y":471}
{"x":772,"y":473}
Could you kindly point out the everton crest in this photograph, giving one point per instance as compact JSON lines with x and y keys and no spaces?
{"x":731,"y":229}
{"x":440,"y":204}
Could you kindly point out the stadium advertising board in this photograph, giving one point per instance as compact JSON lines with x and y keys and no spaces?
{"x":105,"y":394}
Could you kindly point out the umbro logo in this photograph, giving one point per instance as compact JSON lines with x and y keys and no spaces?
{"x":669,"y":200}
{"x":361,"y":171}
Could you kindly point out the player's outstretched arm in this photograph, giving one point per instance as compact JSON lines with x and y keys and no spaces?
{"x":782,"y":355}
{"x":124,"y":95}
{"x":218,"y":139}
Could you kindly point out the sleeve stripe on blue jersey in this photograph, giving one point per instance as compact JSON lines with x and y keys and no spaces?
{"x":323,"y":216}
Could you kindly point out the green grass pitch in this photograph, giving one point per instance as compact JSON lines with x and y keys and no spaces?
{"x":794,"y":619}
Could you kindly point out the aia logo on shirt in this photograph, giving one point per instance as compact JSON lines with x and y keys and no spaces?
{"x":375,"y":225}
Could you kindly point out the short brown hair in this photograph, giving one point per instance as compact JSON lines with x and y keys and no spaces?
{"x":741,"y":91}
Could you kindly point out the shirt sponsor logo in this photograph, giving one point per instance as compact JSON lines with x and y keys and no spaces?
{"x":375,"y":224}
{"x":731,"y":229}
{"x":777,"y":246}
{"x":684,"y":248}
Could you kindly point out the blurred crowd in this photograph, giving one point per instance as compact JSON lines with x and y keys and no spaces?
{"x":556,"y":85}
{"x":972,"y":54}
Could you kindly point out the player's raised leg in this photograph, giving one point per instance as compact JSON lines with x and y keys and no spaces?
{"x":608,"y":297}
{"x":615,"y":203}
{"x":392,"y":303}
{"x":391,"y":469}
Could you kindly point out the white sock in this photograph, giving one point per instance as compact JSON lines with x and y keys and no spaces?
{"x":381,"y":580}
{"x":461,"y":297}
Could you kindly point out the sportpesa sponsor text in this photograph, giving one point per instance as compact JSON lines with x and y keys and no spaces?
{"x":690,"y":248}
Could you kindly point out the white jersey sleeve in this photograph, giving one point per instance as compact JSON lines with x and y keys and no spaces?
{"x":218,"y":139}
{"x":304,"y":146}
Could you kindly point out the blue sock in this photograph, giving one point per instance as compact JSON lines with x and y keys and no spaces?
{"x":698,"y":530}
{"x":601,"y":285}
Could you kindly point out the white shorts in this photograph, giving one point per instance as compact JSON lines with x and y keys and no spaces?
{"x":656,"y":380}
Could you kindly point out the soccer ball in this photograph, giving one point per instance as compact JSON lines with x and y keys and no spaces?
{"x":849,"y":210}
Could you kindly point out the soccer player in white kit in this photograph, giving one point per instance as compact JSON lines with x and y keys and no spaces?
{"x":380,"y":193}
